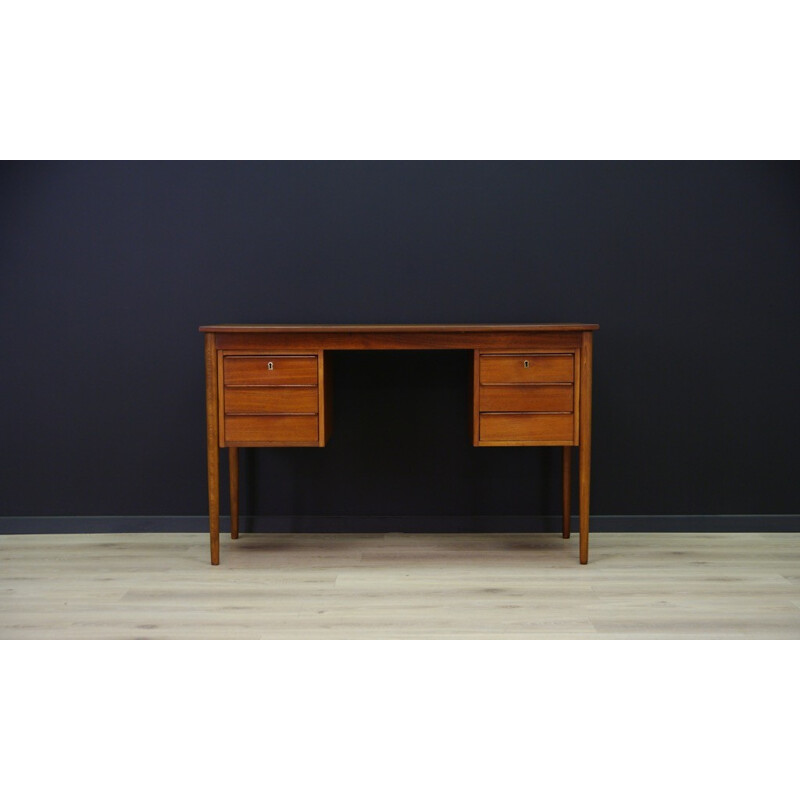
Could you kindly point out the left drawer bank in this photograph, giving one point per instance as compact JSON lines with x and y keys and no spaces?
{"x":272,"y":399}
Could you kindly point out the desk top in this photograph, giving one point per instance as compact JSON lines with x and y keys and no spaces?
{"x":563,"y":327}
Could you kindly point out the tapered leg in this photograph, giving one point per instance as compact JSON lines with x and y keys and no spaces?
{"x":585,"y":443}
{"x":212,"y":444}
{"x":233,"y":461}
{"x":213,"y":503}
{"x":584,"y":501}
{"x":566,"y":487}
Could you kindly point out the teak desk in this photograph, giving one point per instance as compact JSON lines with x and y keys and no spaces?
{"x":269,"y":386}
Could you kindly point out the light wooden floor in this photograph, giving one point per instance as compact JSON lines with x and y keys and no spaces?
{"x":419,"y":586}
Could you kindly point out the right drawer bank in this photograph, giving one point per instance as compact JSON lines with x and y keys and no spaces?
{"x":526,"y":398}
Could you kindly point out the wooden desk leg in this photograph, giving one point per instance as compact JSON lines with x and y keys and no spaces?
{"x":233,"y":462}
{"x":212,"y":444}
{"x":585,"y":443}
{"x":213,"y":502}
{"x":566,"y":488}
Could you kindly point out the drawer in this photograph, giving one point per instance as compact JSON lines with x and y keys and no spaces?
{"x":556,"y":428}
{"x":267,"y":370}
{"x":269,"y":428}
{"x":271,"y":399}
{"x":542,"y":397}
{"x":527,"y":368}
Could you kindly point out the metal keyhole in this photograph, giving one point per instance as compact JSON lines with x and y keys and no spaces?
{"x":270,"y":365}
{"x":526,"y":363}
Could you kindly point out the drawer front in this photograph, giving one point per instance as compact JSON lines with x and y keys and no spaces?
{"x":269,"y":370}
{"x":526,"y":398}
{"x":556,"y":428}
{"x":527,"y":368}
{"x":282,"y":428}
{"x":271,"y":400}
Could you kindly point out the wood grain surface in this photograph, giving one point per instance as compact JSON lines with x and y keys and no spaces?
{"x":278,"y":429}
{"x":271,"y":399}
{"x":535,"y":397}
{"x":411,"y":328}
{"x":400,"y":586}
{"x":269,"y":370}
{"x":527,"y":368}
{"x":526,"y":428}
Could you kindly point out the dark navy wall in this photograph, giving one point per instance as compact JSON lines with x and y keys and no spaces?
{"x":692,"y":271}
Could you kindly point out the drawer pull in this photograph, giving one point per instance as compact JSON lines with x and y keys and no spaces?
{"x":270,"y":365}
{"x":526,"y":363}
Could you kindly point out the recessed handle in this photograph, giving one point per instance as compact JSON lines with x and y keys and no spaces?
{"x":270,"y":365}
